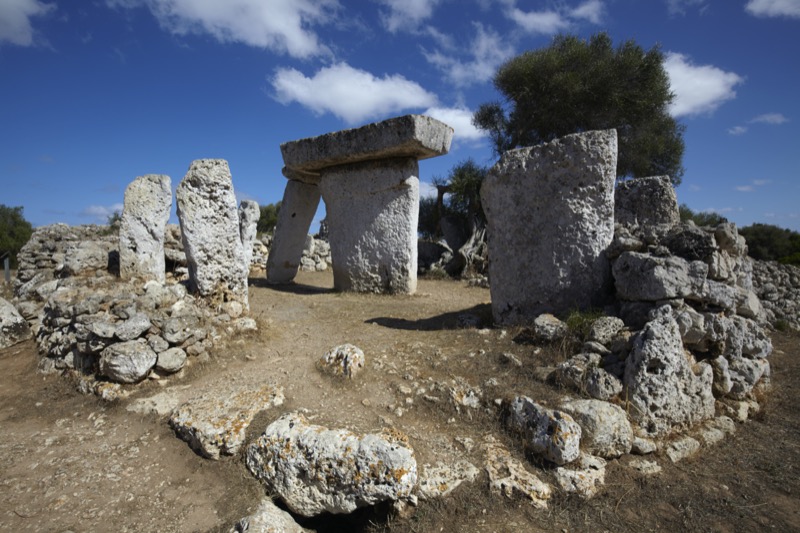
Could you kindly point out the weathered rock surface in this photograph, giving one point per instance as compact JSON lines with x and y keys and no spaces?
{"x":249,"y":213}
{"x":210,"y":232}
{"x":664,"y":392}
{"x":13,"y":328}
{"x":605,"y":430}
{"x":585,"y":477}
{"x":148,"y":200}
{"x":127,"y":362}
{"x":171,"y":360}
{"x":438,"y":481}
{"x":552,"y":434}
{"x":548,"y":328}
{"x":298,"y":207}
{"x":548,"y":255}
{"x":647,"y":202}
{"x":86,"y":257}
{"x":214,"y":423}
{"x":649,"y":278}
{"x":268,"y":518}
{"x":314,"y":469}
{"x":372,"y":212}
{"x":509,"y":477}
{"x":345,"y":360}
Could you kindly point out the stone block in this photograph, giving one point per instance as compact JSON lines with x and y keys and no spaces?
{"x":145,"y":213}
{"x":299,"y":204}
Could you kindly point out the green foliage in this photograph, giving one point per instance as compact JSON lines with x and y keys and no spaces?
{"x":269,"y":217}
{"x":701,"y":218}
{"x":771,"y":243}
{"x":428,"y":217}
{"x":576,"y":85}
{"x":114,"y":219}
{"x":15,"y":231}
{"x":579,"y":323}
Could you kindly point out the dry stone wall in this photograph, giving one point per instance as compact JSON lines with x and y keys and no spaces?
{"x":778,"y":288}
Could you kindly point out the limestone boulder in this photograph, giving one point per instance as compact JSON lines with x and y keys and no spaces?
{"x":214,"y":422}
{"x":210,"y":232}
{"x":664,"y":391}
{"x":13,"y":328}
{"x":145,"y":213}
{"x":171,"y":360}
{"x":509,"y":477}
{"x":550,"y":213}
{"x":646,"y":202}
{"x":644,"y":277}
{"x":127,"y":362}
{"x":86,"y":257}
{"x":585,"y":477}
{"x":314,"y":469}
{"x":268,"y":518}
{"x":345,"y":360}
{"x":605,"y":430}
{"x":552,"y":434}
{"x":548,"y":328}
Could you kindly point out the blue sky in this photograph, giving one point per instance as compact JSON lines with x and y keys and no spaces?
{"x":94,"y":93}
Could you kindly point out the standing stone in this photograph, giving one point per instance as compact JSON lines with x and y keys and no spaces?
{"x":249,"y":213}
{"x":148,"y":200}
{"x":299,"y":204}
{"x":210,"y":233}
{"x":373,"y":209}
{"x":550,"y":213}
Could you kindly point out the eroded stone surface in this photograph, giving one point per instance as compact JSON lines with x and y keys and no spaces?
{"x":345,"y":360}
{"x":647,"y":202}
{"x":314,"y":469}
{"x":249,"y":213}
{"x":214,"y":423}
{"x":298,"y":207}
{"x":127,"y":362}
{"x":550,"y":212}
{"x":13,"y":328}
{"x":437,"y":481}
{"x":585,"y":477}
{"x":509,"y":477}
{"x":210,"y":232}
{"x":605,"y":430}
{"x":552,"y":434}
{"x":268,"y":518}
{"x":148,"y":201}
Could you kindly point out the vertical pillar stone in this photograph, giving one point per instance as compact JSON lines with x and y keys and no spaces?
{"x":299,"y":204}
{"x":249,"y":213}
{"x":210,"y":233}
{"x":373,"y":209}
{"x":550,"y":214}
{"x":369,"y":180}
{"x":145,"y":212}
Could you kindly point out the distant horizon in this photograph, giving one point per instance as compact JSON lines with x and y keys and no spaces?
{"x":96,"y":94}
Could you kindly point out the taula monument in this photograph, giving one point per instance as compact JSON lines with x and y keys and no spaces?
{"x":369,"y":180}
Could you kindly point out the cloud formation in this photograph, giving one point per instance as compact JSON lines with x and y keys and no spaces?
{"x":752,"y":185}
{"x":737,"y":130}
{"x":551,"y":21}
{"x":770,"y":118}
{"x":460,"y":118}
{"x":282,"y":26}
{"x":774,"y":8}
{"x":100,"y":213}
{"x":698,"y":88}
{"x":487,"y":51}
{"x":679,"y":7}
{"x":406,"y":14}
{"x":351,"y":94}
{"x":15,"y":20}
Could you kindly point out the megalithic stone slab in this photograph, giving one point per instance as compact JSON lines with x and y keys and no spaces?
{"x":210,"y":233}
{"x":369,"y":179}
{"x":550,"y":213}
{"x":409,"y":136}
{"x":373,"y":209}
{"x":299,"y":204}
{"x":148,"y":200}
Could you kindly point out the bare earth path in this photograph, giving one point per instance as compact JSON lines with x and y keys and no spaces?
{"x":70,"y":462}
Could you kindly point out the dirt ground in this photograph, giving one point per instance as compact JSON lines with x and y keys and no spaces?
{"x":70,"y":462}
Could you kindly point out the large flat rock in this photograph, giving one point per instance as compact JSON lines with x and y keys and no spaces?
{"x":414,"y":136}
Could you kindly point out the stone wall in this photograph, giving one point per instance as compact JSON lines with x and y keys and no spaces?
{"x":778,"y":288}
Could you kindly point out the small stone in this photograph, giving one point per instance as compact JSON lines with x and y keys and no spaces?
{"x":682,"y":448}
{"x":171,"y":360}
{"x":345,"y":360}
{"x":133,"y":327}
{"x":584,"y":477}
{"x":552,"y":434}
{"x":508,"y":476}
{"x":645,"y":467}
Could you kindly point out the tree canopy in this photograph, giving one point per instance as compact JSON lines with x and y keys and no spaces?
{"x":576,"y":85}
{"x":462,"y":188}
{"x":772,"y":243}
{"x":15,"y":231}
{"x":268,"y":218}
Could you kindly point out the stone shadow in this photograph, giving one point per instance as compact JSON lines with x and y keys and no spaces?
{"x":479,"y":316}
{"x":294,"y":288}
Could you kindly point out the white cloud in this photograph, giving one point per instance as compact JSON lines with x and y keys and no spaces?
{"x":15,"y":20}
{"x":745,"y":188}
{"x":698,"y":88}
{"x":753,"y":185}
{"x":460,"y":118}
{"x":771,"y":118}
{"x":100,"y":213}
{"x":774,"y":8}
{"x":351,"y":94}
{"x":487,"y":51}
{"x":427,"y":190}
{"x":549,"y":22}
{"x":679,"y":7}
{"x":737,"y":130}
{"x":406,"y":14}
{"x":279,"y":25}
{"x":760,"y":183}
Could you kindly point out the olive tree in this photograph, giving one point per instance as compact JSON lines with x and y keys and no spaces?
{"x":577,"y":85}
